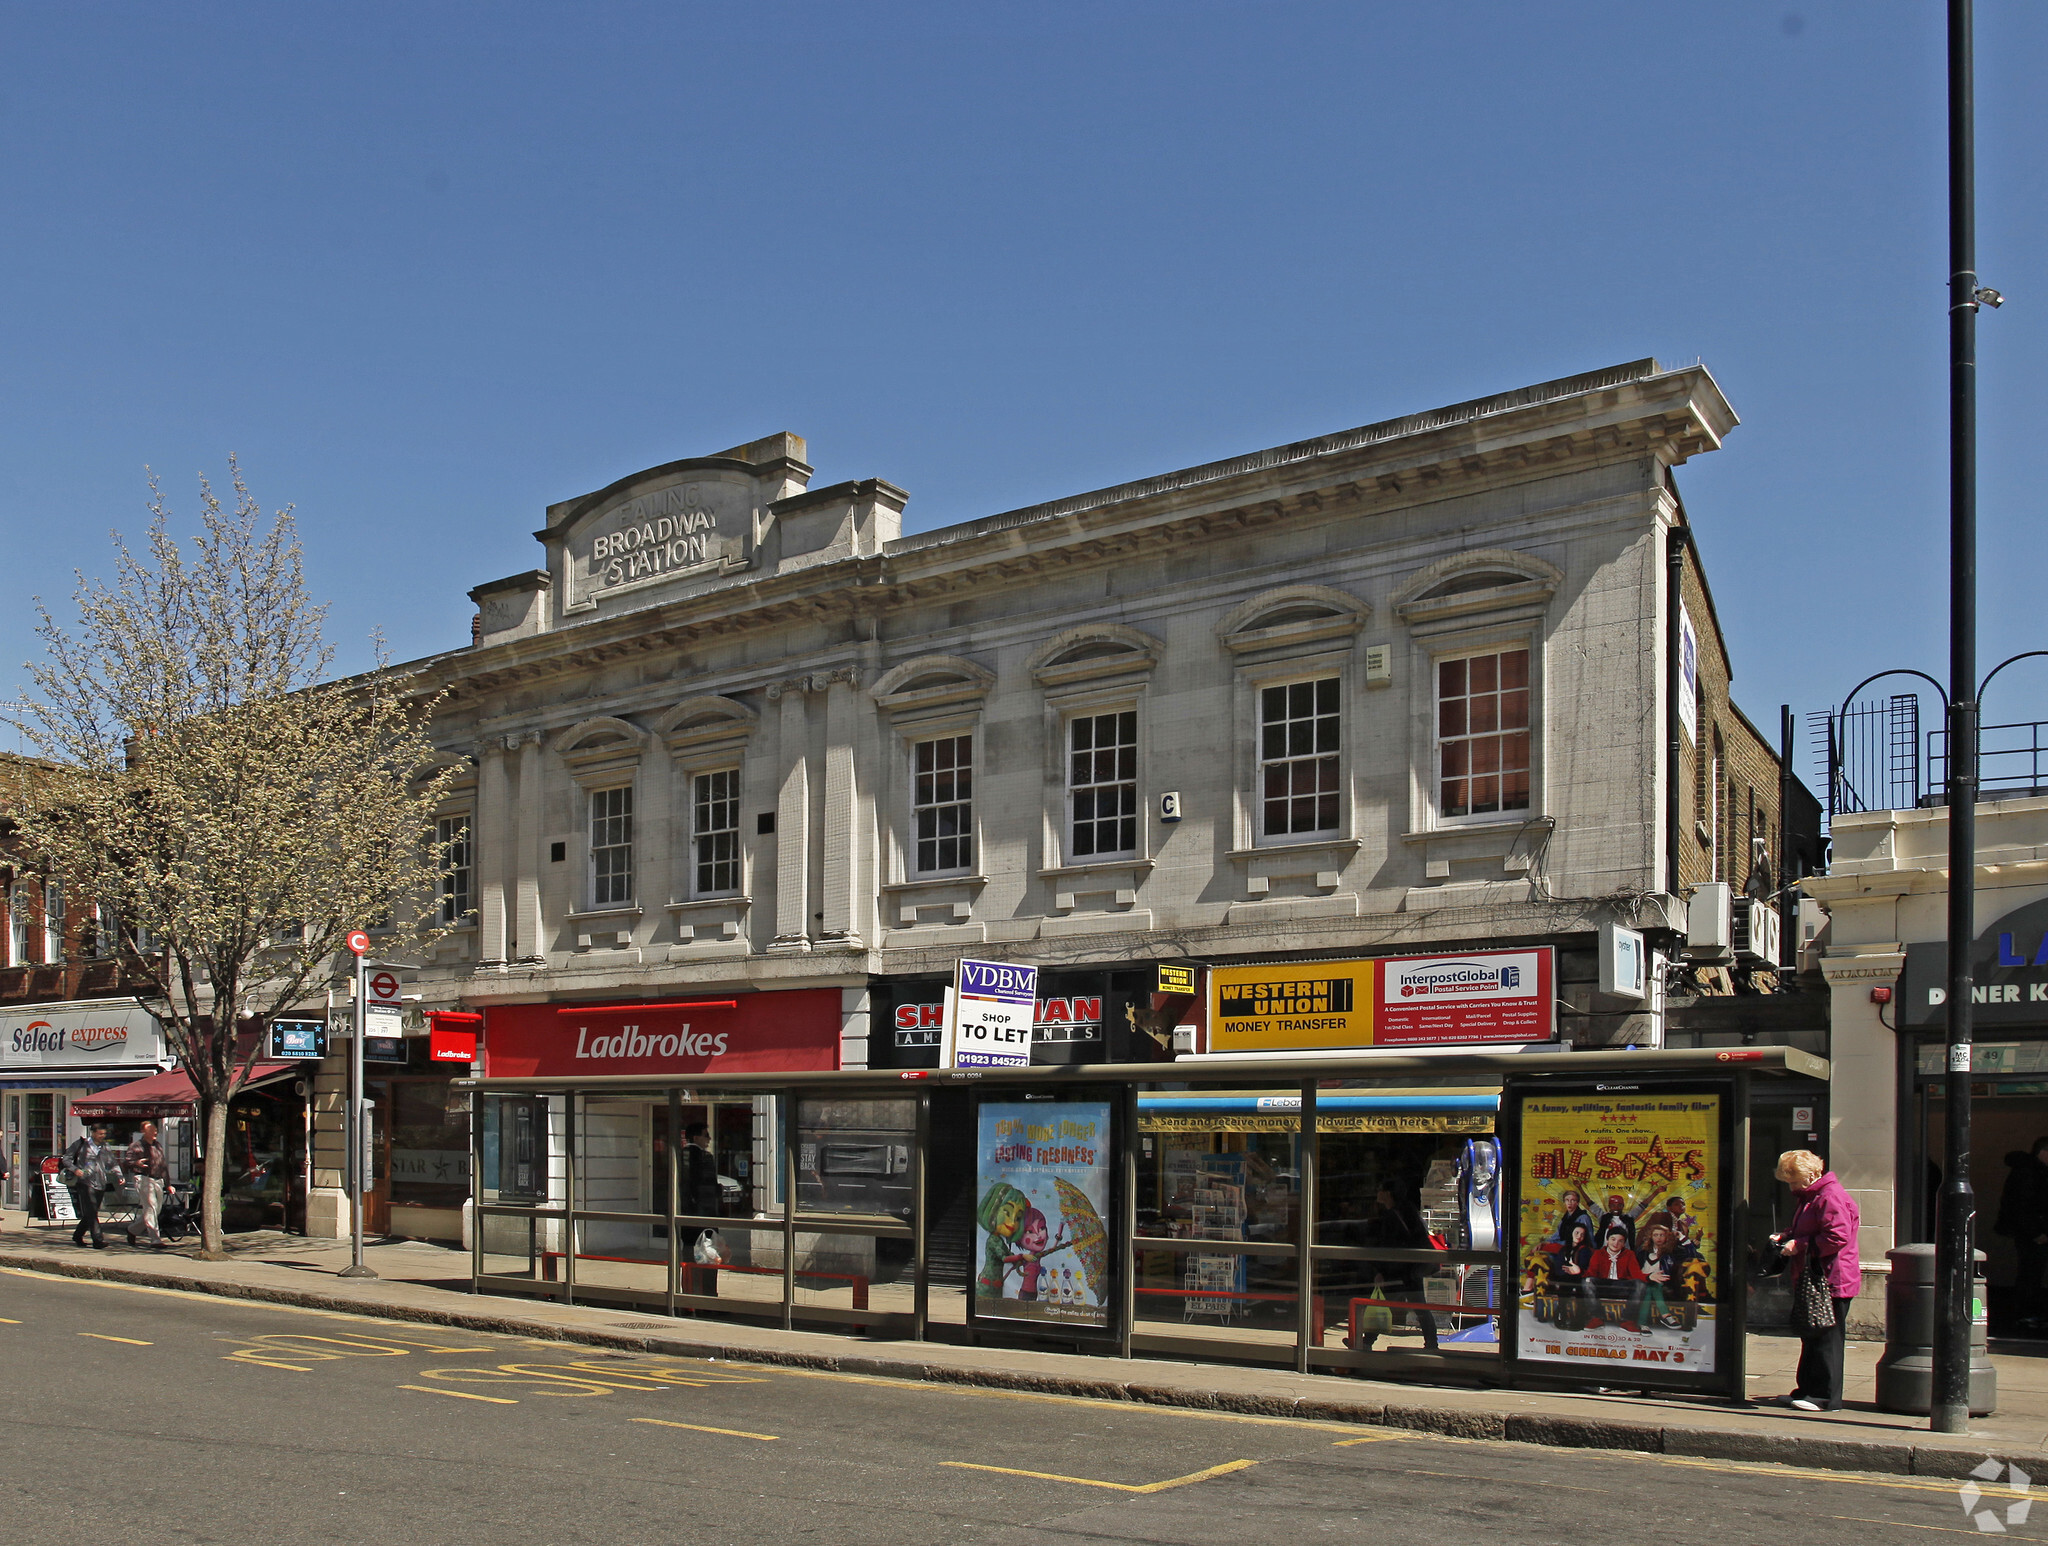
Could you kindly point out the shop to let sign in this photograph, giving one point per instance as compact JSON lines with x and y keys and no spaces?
{"x":992,"y":1009}
{"x":1481,"y":996}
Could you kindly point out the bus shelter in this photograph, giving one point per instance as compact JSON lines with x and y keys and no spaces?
{"x":1481,"y":1217}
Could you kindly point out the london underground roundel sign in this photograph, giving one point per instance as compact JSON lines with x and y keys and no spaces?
{"x":359,"y":942}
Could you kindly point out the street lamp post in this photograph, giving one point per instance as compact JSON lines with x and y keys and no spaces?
{"x":1955,"y":1252}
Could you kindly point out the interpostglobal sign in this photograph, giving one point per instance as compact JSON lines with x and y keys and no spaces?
{"x":1482,"y":996}
{"x":99,"y":1033}
{"x":992,"y":1009}
{"x":1478,"y":997}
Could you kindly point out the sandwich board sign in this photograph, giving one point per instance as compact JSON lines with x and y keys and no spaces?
{"x":989,"y":1013}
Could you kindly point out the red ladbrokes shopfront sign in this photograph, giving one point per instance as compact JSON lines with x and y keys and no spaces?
{"x":747,"y":1033}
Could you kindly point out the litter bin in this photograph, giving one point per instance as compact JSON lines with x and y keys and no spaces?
{"x":1905,"y":1374}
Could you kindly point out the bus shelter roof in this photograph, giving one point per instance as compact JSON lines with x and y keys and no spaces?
{"x":1296,"y":1071}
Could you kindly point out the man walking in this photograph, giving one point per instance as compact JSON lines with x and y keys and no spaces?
{"x":146,"y":1164}
{"x":89,"y":1168}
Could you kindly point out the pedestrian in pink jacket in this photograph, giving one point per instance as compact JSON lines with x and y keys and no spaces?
{"x":1824,"y":1227}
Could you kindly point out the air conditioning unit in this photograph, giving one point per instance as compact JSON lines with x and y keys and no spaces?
{"x":1710,"y":921}
{"x":1758,"y":931}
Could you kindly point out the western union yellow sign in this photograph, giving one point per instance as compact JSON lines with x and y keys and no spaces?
{"x":1312,"y":1004}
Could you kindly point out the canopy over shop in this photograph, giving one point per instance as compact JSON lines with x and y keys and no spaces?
{"x":263,"y":1179}
{"x":1164,"y":1209}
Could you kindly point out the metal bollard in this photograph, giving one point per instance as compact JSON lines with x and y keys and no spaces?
{"x":1905,"y":1373}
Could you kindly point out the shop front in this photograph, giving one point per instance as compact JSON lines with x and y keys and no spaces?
{"x":2009,"y":1106}
{"x":657,"y":1172}
{"x":263,"y":1166}
{"x":53,"y":1056}
{"x":1338,"y":1212}
{"x":1084,"y":1015}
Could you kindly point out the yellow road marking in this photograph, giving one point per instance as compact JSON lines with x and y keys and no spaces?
{"x":10,"y":1320}
{"x":733,"y":1433}
{"x":241,"y":1358}
{"x":1847,"y":1480}
{"x":1085,"y":1481}
{"x":1377,"y":1438}
{"x":1905,"y":1525}
{"x":463,"y":1395}
{"x":103,"y":1337}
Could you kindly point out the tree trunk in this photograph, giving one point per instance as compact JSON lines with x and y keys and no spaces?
{"x":213,"y":1116}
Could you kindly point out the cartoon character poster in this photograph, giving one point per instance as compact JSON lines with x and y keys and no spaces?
{"x":1618,"y":1231}
{"x":1042,"y":1250}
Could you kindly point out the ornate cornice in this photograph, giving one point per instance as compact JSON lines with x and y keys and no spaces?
{"x":1669,"y":416}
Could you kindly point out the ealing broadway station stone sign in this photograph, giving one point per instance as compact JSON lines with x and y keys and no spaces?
{"x":687,"y":527}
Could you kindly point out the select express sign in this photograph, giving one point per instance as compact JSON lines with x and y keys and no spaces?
{"x":1483,"y":996}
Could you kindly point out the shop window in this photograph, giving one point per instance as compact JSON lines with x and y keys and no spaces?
{"x":715,"y":832}
{"x":1298,"y":730}
{"x":942,"y":804}
{"x":429,"y":1164}
{"x":611,"y":847}
{"x":1102,"y":784}
{"x":452,"y":839}
{"x":1483,"y":733}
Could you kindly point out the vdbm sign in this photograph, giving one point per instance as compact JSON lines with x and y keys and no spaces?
{"x":991,"y":1011}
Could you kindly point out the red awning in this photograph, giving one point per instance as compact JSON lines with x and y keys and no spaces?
{"x":165,"y":1093}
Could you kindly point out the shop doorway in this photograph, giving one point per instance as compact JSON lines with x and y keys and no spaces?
{"x":2007,"y":1117}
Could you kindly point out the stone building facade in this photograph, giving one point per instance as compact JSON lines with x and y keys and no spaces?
{"x":1386,"y":691}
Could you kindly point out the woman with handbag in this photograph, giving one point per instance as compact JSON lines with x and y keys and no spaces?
{"x":1825,"y":1273}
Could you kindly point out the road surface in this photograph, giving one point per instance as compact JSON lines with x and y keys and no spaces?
{"x":152,"y":1417}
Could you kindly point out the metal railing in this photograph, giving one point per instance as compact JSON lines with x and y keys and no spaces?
{"x":2012,"y":760}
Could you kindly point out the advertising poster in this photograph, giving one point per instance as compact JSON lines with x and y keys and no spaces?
{"x":1041,"y":1236}
{"x":1621,"y":1260}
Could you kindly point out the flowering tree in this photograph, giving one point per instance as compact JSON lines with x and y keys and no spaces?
{"x":233,"y":813}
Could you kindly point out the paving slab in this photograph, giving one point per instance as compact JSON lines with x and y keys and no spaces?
{"x":429,"y":1283}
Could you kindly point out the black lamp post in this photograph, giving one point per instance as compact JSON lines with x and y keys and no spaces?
{"x":1955,"y":1245}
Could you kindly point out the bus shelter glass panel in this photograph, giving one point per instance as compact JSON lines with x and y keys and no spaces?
{"x":1218,"y":1188}
{"x":522,"y":1178}
{"x":622,"y":1170}
{"x":1401,"y":1172}
{"x":855,"y":1162}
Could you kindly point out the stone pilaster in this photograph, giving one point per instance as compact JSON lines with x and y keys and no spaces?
{"x":493,"y":822}
{"x":526,"y":942}
{"x":841,"y":823}
{"x":792,"y":817}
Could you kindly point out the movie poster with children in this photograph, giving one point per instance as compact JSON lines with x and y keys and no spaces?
{"x":1619,"y":1231}
{"x":1041,"y":1240}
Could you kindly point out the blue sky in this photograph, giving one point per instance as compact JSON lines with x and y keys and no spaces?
{"x":429,"y":268}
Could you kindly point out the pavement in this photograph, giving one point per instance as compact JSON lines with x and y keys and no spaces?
{"x":144,"y":1410}
{"x":429,"y":1284}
